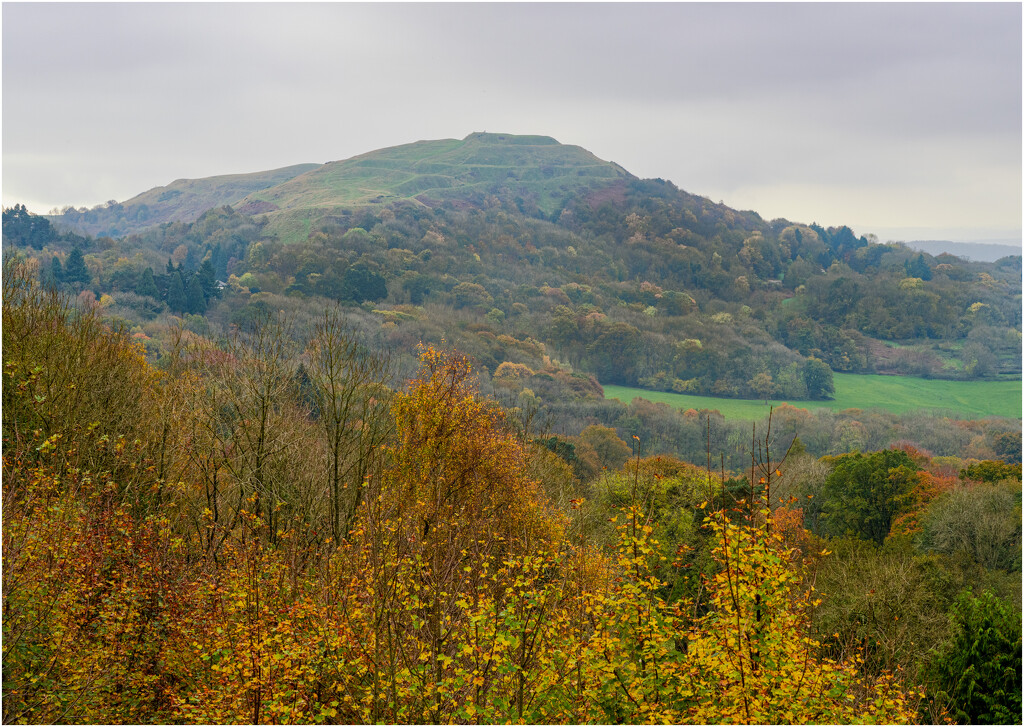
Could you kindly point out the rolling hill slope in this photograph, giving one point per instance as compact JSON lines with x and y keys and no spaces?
{"x":183,"y":200}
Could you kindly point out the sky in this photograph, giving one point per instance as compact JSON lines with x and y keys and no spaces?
{"x":899,"y":120}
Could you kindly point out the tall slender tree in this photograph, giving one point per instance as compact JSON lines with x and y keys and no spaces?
{"x":176,"y":299}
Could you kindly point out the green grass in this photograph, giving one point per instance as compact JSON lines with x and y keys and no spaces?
{"x":187,"y":199}
{"x":897,"y":394}
{"x":437,"y":170}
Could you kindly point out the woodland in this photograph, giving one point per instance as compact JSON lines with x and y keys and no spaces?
{"x":356,"y":465}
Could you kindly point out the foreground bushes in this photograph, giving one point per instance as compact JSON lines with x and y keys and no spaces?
{"x":191,"y":573}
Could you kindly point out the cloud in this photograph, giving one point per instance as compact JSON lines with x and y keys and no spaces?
{"x":105,"y":101}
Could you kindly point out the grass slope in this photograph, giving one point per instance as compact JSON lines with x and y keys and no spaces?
{"x":859,"y":391}
{"x":183,"y":200}
{"x":537,"y":168}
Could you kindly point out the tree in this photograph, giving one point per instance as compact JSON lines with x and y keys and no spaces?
{"x":981,"y":523}
{"x":147,"y":285}
{"x":346,"y":391}
{"x":818,"y":379}
{"x":471,"y":295}
{"x":611,"y":450}
{"x":614,"y":354}
{"x":918,"y":268}
{"x":56,"y":271}
{"x":22,"y":228}
{"x":75,"y":270}
{"x":417,"y":286}
{"x":749,"y":658}
{"x":979,"y":669}
{"x":763,"y":384}
{"x":865,"y":493}
{"x":195,"y":300}
{"x":176,"y":299}
{"x":754,"y":650}
{"x":207,"y":277}
{"x":1008,"y":446}
{"x":359,"y":283}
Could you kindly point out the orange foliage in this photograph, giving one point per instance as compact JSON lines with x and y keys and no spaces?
{"x":929,"y":486}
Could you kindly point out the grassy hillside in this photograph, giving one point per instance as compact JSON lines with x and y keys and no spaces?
{"x":183,"y":200}
{"x":541,"y":173}
{"x":858,"y":391}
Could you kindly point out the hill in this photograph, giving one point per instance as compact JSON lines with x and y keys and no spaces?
{"x":540,"y":173}
{"x":522,"y":250}
{"x":183,"y":200}
{"x":977,"y":251}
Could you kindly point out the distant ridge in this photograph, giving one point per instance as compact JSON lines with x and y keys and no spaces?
{"x":974,"y":251}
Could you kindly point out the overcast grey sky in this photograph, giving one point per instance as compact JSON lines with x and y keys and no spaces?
{"x":899,"y":119}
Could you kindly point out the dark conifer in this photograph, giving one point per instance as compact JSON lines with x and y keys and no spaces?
{"x":147,"y":285}
{"x":207,"y":278}
{"x":56,"y":271}
{"x":195,"y":301}
{"x":176,"y":299}
{"x":75,"y":270}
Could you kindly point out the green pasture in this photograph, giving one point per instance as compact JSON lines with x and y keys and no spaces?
{"x":897,"y":394}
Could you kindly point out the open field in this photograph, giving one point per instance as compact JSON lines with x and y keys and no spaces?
{"x":893,"y":393}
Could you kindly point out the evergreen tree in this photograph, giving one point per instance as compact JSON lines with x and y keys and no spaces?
{"x":75,"y":270}
{"x":147,"y":285}
{"x":219,"y":260}
{"x":190,"y":262}
{"x":176,"y":299}
{"x":207,"y":278}
{"x":979,"y":670}
{"x":195,"y":301}
{"x":918,"y":268}
{"x":56,"y":271}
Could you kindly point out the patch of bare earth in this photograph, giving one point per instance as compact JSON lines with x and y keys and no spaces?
{"x":613,"y":194}
{"x":256,"y":208}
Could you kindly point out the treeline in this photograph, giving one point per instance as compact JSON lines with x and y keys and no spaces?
{"x":261,"y":530}
{"x":668,"y":430}
{"x":21,"y":228}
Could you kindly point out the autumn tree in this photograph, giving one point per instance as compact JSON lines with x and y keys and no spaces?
{"x":611,"y":450}
{"x":346,"y":390}
{"x":763,"y":385}
{"x":454,"y":508}
{"x":258,"y":421}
